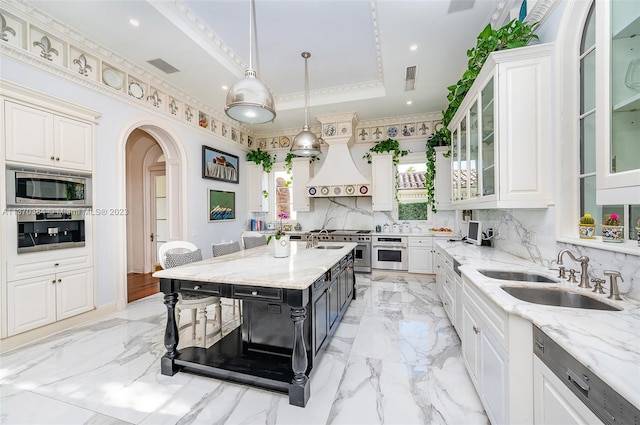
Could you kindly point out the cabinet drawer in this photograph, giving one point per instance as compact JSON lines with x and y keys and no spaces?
{"x":448,"y":304}
{"x":24,"y":269}
{"x":258,"y":293}
{"x":495,"y":318}
{"x":201,"y":287}
{"x":417,"y":241}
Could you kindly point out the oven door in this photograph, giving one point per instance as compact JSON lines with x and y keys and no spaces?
{"x":362,"y":259}
{"x":390,"y":257}
{"x":47,"y":190}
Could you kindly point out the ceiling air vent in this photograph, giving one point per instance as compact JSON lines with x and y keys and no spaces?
{"x":410,"y":78}
{"x":163,"y":66}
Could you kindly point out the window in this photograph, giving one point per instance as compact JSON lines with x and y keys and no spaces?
{"x":412,"y":195}
{"x":587,"y":124}
{"x":282,"y":200}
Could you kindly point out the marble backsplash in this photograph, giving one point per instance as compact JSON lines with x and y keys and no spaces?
{"x":530,"y":234}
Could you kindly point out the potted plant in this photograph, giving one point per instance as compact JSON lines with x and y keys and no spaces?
{"x":262,"y":158}
{"x":612,"y":230}
{"x":587,"y":227}
{"x":281,"y":244}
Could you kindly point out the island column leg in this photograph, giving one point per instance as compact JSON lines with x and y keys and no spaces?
{"x":171,"y":337}
{"x":299,"y":389}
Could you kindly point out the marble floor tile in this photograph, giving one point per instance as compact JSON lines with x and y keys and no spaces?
{"x":394,"y":358}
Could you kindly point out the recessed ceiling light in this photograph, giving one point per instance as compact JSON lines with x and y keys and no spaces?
{"x":409,"y":102}
{"x":223,"y":87}
{"x":413,"y":47}
{"x":134,"y":22}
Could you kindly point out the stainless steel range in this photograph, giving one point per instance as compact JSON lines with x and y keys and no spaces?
{"x":362,"y":261}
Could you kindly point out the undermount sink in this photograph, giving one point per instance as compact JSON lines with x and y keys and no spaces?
{"x":330,"y":247}
{"x":514,"y":275}
{"x":557,"y":298}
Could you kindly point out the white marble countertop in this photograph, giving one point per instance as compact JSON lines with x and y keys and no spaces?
{"x":452,"y":235}
{"x":258,"y":267}
{"x":606,"y":342}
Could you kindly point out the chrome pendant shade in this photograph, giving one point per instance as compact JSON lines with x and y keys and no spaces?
{"x":306,"y":143}
{"x":249,"y":100}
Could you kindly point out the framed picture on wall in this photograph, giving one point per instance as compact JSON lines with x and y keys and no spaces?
{"x":222,"y":205}
{"x":218,"y":165}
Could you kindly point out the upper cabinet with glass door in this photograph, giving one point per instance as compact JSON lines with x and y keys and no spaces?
{"x":501,"y":133}
{"x":618,"y":102}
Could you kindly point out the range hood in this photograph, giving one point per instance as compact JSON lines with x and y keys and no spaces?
{"x":338,"y":175}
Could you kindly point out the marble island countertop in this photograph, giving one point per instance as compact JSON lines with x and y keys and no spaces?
{"x":606,"y":342}
{"x":259,"y":267}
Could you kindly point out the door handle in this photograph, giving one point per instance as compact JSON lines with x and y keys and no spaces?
{"x":152,"y":237}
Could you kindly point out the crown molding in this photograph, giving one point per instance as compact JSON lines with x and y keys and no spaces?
{"x":541,"y":10}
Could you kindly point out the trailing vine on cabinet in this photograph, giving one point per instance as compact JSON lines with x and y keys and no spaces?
{"x":262,"y":158}
{"x":442,"y":137}
{"x":388,"y":146}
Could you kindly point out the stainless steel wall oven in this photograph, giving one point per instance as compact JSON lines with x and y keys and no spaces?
{"x":390,"y":253}
{"x":47,"y":189}
{"x":47,"y":230}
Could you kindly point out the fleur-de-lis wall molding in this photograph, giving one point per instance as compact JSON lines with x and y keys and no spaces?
{"x":155,"y":99}
{"x":47,"y":50}
{"x":5,"y":29}
{"x":83,"y":66}
{"x":363,"y":134}
{"x":188,"y":115}
{"x":423,"y":129}
{"x":173,"y":107}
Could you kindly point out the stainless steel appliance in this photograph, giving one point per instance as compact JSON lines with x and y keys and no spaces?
{"x":390,"y":253}
{"x":50,"y":230}
{"x":598,"y":396}
{"x":362,"y":260}
{"x":47,"y":189}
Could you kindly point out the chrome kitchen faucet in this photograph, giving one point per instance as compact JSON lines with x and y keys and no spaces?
{"x":584,"y":264}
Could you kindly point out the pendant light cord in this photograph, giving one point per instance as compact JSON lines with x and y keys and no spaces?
{"x":251,"y":30}
{"x":306,"y":56}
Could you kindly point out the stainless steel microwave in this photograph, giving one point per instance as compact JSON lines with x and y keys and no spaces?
{"x":47,"y":189}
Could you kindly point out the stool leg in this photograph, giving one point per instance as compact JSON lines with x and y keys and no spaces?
{"x":193,"y":323}
{"x":218,"y":307}
{"x":203,"y":324}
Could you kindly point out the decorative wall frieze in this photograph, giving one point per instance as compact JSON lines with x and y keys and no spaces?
{"x":541,"y":10}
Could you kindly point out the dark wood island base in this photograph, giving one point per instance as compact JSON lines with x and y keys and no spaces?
{"x":282,"y":334}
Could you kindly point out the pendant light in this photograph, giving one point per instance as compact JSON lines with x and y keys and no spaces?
{"x":249,"y":100}
{"x":306,"y":143}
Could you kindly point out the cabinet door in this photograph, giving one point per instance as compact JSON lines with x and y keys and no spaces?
{"x":617,"y":102}
{"x":29,"y":134}
{"x":342,"y":284}
{"x":493,"y":378}
{"x":301,"y":174}
{"x":72,"y":144}
{"x":470,"y":332}
{"x":320,"y":320}
{"x":30,"y":303}
{"x":334,"y":294}
{"x":442,"y":185}
{"x":256,"y":183}
{"x":420,"y":260}
{"x":74,"y":293}
{"x":487,"y":177}
{"x":554,"y":403}
{"x":383,"y":182}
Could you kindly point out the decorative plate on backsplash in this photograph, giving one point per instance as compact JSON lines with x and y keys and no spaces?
{"x":392,"y":131}
{"x":136,"y":90}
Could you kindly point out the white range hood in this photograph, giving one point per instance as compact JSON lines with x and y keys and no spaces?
{"x":338,"y":175}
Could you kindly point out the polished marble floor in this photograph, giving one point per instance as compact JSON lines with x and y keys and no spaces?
{"x":395,"y":359}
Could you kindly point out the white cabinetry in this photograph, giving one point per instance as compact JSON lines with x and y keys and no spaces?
{"x":420,"y":254}
{"x":256,"y":184}
{"x":442,"y":184}
{"x":449,"y":287}
{"x":383,"y":184}
{"x":617,"y":102}
{"x":301,"y":173}
{"x":42,"y":292}
{"x":501,"y":133}
{"x":39,"y":137}
{"x":554,"y":403}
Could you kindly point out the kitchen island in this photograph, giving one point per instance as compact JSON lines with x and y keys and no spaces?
{"x":291,"y":308}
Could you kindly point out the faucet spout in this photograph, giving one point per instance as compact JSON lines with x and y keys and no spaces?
{"x":584,"y":264}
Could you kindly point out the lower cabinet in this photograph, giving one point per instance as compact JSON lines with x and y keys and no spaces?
{"x":41,"y":300}
{"x":554,"y":403}
{"x":420,"y":254}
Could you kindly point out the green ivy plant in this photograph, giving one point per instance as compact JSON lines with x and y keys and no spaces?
{"x":262,"y":158}
{"x":441,"y":137}
{"x":512,"y":35}
{"x":288,"y":164}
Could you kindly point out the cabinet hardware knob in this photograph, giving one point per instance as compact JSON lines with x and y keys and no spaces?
{"x":52,"y":158}
{"x":53,"y":281}
{"x":196,"y":287}
{"x":475,"y":329}
{"x":254,"y":293}
{"x":57,"y":159}
{"x":59,"y":280}
{"x":56,"y":264}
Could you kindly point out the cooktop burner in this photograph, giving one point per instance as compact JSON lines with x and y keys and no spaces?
{"x":343,"y":232}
